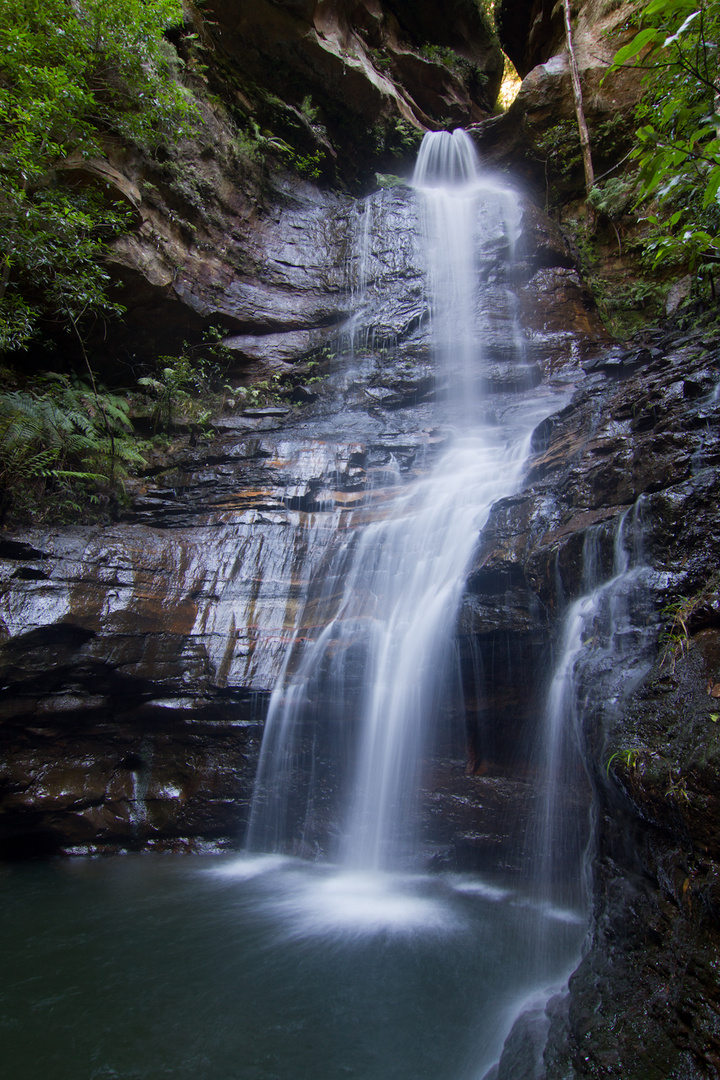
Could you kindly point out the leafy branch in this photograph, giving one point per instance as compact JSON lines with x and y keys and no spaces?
{"x":683,"y":614}
{"x":678,"y":136}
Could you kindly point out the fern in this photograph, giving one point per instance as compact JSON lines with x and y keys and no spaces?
{"x":61,"y":438}
{"x":75,"y":474}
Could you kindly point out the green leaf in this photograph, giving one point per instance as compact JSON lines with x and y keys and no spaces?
{"x":677,"y":146}
{"x":639,"y":42}
{"x":667,"y":8}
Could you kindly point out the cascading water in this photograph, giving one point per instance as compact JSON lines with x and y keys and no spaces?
{"x":599,"y":631}
{"x":603,"y":642}
{"x":397,"y":583}
{"x":602,"y":659}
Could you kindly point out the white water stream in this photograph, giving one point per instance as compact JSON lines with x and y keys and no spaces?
{"x":397,"y":582}
{"x":601,"y":660}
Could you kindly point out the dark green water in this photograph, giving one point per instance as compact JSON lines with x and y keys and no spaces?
{"x":230,"y":969}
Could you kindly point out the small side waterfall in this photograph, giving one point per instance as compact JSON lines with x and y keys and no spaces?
{"x":602,"y":644}
{"x":596,"y":629}
{"x":601,"y":660}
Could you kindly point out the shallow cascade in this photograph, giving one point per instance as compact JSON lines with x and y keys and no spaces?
{"x":327,"y":949}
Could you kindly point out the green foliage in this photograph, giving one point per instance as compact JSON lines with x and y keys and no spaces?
{"x":470,"y":73}
{"x":441,"y":54}
{"x":614,"y":197}
{"x":55,"y":241}
{"x":184,"y":388}
{"x":247,"y":146}
{"x":60,"y":443}
{"x":625,"y":303}
{"x":308,"y":165}
{"x":487,"y":10}
{"x":263,"y":393}
{"x":309,"y":110}
{"x":635,"y":295}
{"x":380,"y":59}
{"x":560,"y":147}
{"x":680,"y":615}
{"x":397,"y":137}
{"x":256,"y":145}
{"x":388,"y":180}
{"x":628,"y":758}
{"x":678,"y":140}
{"x":403,"y":137}
{"x":71,"y":76}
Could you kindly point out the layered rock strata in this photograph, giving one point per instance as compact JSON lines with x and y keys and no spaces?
{"x":176,"y":620}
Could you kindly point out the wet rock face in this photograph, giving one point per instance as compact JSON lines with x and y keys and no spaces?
{"x":264,"y":261}
{"x":171,"y":626}
{"x":641,"y":433}
{"x":223,"y":231}
{"x":221,"y":240}
{"x":645,"y":1000}
{"x":95,"y":781}
{"x":530,"y":32}
{"x":342,"y":67}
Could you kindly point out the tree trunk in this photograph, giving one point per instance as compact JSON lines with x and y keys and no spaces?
{"x":579,"y":111}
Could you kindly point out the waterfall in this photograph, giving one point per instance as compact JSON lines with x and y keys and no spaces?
{"x":353,"y":719}
{"x":602,"y":642}
{"x":389,"y":598}
{"x":602,"y":659}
